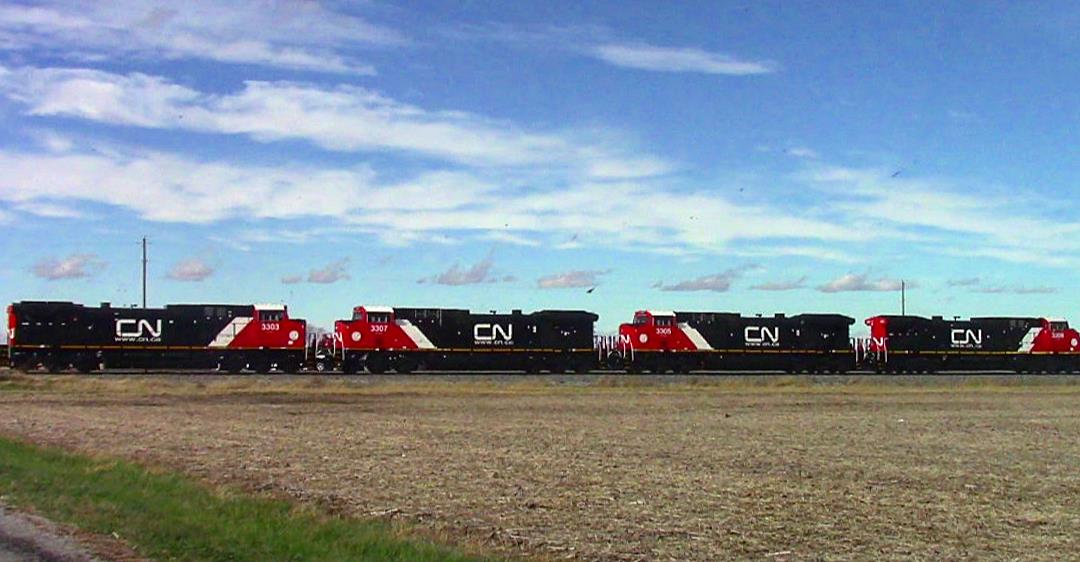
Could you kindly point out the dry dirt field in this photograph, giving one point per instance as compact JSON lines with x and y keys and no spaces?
{"x":793,"y":469}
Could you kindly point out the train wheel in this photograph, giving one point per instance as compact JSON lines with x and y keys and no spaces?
{"x":405,"y":365}
{"x":26,"y":365}
{"x":85,"y":367}
{"x":376,"y":364}
{"x":52,"y":365}
{"x":349,"y":367}
{"x":289,"y":366}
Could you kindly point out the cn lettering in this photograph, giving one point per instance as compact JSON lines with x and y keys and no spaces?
{"x":493,"y":332}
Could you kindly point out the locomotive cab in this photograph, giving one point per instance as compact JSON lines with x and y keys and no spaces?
{"x":651,"y":329}
{"x":1056,"y":336}
{"x":11,"y":323}
{"x":382,"y":315}
{"x":371,"y":328}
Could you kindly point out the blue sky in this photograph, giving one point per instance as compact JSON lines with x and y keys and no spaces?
{"x":752,"y":156}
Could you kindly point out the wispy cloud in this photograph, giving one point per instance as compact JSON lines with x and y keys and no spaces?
{"x":964,"y":282}
{"x":717,"y":282}
{"x":191,"y":269}
{"x":291,"y":35}
{"x":1017,"y":290}
{"x":292,"y":279}
{"x":860,"y":282}
{"x":509,"y":238}
{"x":802,"y":152}
{"x":75,"y":266}
{"x":978,"y":220}
{"x":571,"y":279}
{"x":424,"y":208}
{"x":332,"y":273}
{"x":788,"y":285}
{"x":479,"y":272}
{"x":678,"y":59}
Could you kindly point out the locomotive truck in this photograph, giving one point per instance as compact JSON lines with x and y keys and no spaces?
{"x":230,"y":337}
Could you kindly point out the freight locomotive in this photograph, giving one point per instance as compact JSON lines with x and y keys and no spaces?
{"x":262,"y":337}
{"x":230,"y":337}
{"x":380,"y":338}
{"x":1025,"y":345}
{"x":667,"y":341}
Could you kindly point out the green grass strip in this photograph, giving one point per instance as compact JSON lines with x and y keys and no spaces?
{"x":172,"y":517}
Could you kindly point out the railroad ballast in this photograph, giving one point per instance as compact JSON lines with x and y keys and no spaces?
{"x":57,"y":336}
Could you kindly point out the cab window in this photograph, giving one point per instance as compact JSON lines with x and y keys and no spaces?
{"x":378,"y":318}
{"x":641,"y":320}
{"x":1059,"y":326}
{"x":667,"y":321}
{"x":272,"y":315}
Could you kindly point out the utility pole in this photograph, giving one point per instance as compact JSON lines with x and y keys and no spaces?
{"x":903,"y":299}
{"x":144,"y":272}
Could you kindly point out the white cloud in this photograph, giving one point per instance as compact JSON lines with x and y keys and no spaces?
{"x":292,"y":35}
{"x":964,"y":282}
{"x":332,"y":273}
{"x":191,"y":269}
{"x":75,"y":266}
{"x":672,"y":59}
{"x":571,"y":279}
{"x":426,"y":208}
{"x":48,"y":210}
{"x":509,"y":238}
{"x":345,"y":118}
{"x":788,"y":285}
{"x":292,"y":279}
{"x":861,"y":282}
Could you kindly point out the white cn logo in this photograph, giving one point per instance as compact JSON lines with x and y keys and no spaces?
{"x":493,"y":332}
{"x":966,"y":338}
{"x":132,"y":328}
{"x":762,"y":335}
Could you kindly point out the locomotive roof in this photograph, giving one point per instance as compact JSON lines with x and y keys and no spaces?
{"x":467,"y":311}
{"x":913,"y":318}
{"x":378,"y":309}
{"x":57,"y":305}
{"x":810,"y":316}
